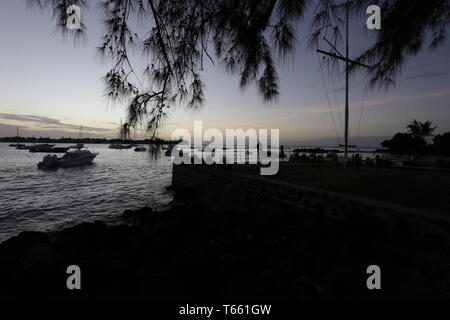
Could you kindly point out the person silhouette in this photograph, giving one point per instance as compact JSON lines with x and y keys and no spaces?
{"x":282,"y":154}
{"x":257,"y":151}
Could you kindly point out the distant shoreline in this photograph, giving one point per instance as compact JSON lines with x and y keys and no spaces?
{"x":84,"y":140}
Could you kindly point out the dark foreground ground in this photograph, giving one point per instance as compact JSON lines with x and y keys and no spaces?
{"x":189,"y":253}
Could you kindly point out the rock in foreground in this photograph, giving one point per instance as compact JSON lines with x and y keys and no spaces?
{"x":188,"y":253}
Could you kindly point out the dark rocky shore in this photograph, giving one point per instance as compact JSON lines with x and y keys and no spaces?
{"x":189,"y":252}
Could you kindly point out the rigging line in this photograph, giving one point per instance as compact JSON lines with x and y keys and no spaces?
{"x":337,"y":104}
{"x":334,"y":89}
{"x":328,"y":99}
{"x":361,"y":111}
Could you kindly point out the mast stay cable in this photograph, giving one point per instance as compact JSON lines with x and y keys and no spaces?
{"x":328,"y":100}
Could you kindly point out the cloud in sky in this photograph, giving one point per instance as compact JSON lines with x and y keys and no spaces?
{"x":39,"y":123}
{"x":318,"y":109}
{"x":406,"y":97}
{"x":427,"y":75}
{"x":7,"y":130}
{"x":55,"y":127}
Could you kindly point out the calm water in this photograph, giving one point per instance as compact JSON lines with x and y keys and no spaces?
{"x":33,"y":199}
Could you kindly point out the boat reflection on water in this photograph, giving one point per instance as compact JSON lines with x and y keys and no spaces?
{"x":72,"y":158}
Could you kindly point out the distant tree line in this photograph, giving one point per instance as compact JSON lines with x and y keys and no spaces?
{"x":84,"y":140}
{"x":414,"y":140}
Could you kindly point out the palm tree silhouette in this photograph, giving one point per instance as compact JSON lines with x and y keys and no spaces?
{"x":420,"y":130}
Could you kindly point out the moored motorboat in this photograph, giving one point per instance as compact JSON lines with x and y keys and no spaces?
{"x":140,"y":149}
{"x":48,"y":148}
{"x":119,"y":146}
{"x":23,"y":147}
{"x":42,"y":148}
{"x":72,"y":158}
{"x":77,"y":146}
{"x":59,"y":149}
{"x":77,"y":157}
{"x":16,"y":145}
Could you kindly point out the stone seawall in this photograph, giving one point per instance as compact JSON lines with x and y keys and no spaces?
{"x":221,"y":188}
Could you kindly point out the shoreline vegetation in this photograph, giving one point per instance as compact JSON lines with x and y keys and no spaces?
{"x":193,"y":252}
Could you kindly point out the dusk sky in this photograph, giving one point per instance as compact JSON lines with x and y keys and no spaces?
{"x":51,"y":87}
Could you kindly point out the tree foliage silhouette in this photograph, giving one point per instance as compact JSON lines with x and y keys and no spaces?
{"x":420,"y":130}
{"x":442,"y":143}
{"x":413,"y":141}
{"x":247,"y":36}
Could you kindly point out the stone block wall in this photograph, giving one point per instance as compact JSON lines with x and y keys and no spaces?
{"x":221,"y":188}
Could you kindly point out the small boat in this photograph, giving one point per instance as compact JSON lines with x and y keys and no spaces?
{"x":48,"y":148}
{"x":72,"y":158}
{"x":42,"y":148}
{"x":119,"y":146}
{"x":77,"y":146}
{"x":23,"y":147}
{"x":16,"y":145}
{"x":140,"y":149}
{"x":59,"y":149}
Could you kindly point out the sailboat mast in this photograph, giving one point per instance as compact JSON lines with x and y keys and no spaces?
{"x":337,"y":55}
{"x":346,"y":82}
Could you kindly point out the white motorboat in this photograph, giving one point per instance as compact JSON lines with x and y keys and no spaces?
{"x":77,"y":157}
{"x":72,"y":158}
